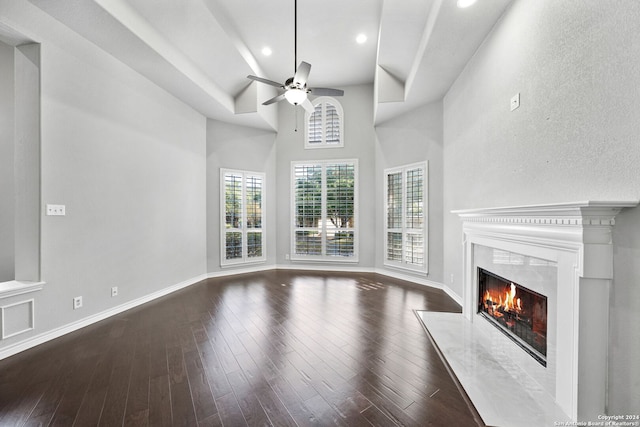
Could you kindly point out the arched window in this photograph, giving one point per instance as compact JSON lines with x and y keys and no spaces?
{"x":324,"y":127}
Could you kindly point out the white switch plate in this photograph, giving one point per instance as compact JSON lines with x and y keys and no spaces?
{"x":114,"y":291}
{"x":515,"y":101}
{"x":56,"y":210}
{"x":77,"y":302}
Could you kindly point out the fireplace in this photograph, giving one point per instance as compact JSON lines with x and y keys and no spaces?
{"x":518,"y":312}
{"x":563,"y":251}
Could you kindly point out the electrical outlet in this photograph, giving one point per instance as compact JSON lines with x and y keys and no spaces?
{"x":77,"y":303}
{"x":515,"y":101}
{"x":452,"y":279}
{"x":286,"y":256}
{"x":114,"y":291}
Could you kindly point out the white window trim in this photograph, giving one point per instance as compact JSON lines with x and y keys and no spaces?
{"x":323,"y":100}
{"x":244,"y":230}
{"x":425,"y":234}
{"x":356,"y":209}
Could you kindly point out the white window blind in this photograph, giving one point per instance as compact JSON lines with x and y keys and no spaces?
{"x":324,"y":127}
{"x":324,"y":203}
{"x":242,"y":213}
{"x":406,"y":211}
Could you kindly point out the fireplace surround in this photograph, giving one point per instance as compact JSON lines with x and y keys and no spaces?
{"x":565,"y":252}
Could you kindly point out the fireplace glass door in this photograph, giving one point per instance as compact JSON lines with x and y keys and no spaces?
{"x":518,"y":312}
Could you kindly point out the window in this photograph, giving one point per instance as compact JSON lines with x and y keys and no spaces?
{"x":324,"y":127}
{"x":242,"y":207}
{"x":324,"y":202}
{"x":406,"y":211}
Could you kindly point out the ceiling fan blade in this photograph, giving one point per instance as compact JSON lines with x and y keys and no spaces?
{"x":266,"y":81}
{"x":325,"y":91}
{"x":307,"y":105}
{"x":302,"y":74}
{"x":274,"y":100}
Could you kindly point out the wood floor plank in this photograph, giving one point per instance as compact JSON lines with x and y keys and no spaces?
{"x":182,"y":409}
{"x":116,"y":399}
{"x":214,"y":371}
{"x":201,"y":395}
{"x":229,"y":411}
{"x":160,"y":401}
{"x":248,"y":402}
{"x":282,"y":348}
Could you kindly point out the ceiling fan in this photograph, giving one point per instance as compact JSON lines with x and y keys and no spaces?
{"x":295,"y":88}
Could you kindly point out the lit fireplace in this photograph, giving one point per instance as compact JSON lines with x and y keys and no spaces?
{"x":518,"y":312}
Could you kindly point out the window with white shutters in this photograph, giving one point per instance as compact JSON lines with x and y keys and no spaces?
{"x":324,"y":204}
{"x":242,"y":217}
{"x":406,"y":217}
{"x":324,"y":127}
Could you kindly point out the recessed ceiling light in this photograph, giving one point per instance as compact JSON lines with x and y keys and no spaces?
{"x":266,"y":51}
{"x":465,"y":3}
{"x":361,"y":38}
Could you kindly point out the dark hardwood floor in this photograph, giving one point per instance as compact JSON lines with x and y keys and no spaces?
{"x":280,"y":348}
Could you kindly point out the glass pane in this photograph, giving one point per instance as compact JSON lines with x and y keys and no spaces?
{"x":314,"y":131}
{"x":394,"y":200}
{"x":333,"y":124}
{"x":394,"y":246}
{"x":308,"y":243}
{"x":233,"y":200}
{"x":414,"y":249}
{"x":340,"y":196}
{"x":254,"y":201}
{"x":414,"y":198}
{"x":339,"y":243}
{"x":233,"y":244}
{"x":254,"y":244}
{"x":308,"y":195}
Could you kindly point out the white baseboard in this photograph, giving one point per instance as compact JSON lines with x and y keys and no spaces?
{"x":74,"y":326}
{"x":243,"y":270}
{"x":457,"y":298}
{"x":421,"y":281}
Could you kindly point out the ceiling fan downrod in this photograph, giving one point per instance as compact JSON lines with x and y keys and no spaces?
{"x":295,"y":36}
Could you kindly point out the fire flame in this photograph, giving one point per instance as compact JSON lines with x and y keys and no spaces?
{"x":506,"y":302}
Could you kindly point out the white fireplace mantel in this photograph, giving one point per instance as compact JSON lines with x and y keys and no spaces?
{"x":577,"y":237}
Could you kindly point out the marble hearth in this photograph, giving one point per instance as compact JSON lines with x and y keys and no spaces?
{"x":564,"y":252}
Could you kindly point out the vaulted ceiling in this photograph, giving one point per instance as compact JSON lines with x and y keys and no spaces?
{"x":202,"y":50}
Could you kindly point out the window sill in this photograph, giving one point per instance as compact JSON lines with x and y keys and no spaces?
{"x":241,"y":263}
{"x":17,"y":287}
{"x":400,"y":267}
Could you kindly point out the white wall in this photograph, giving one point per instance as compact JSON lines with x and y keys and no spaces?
{"x":129,"y":162}
{"x":237,"y":147}
{"x":412,"y":138}
{"x":7,"y":196}
{"x":576,"y":65}
{"x":359,"y":143}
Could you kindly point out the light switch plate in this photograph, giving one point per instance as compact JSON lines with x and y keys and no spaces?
{"x":56,"y":210}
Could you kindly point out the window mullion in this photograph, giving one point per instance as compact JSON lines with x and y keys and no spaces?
{"x":403,"y":217}
{"x":243,"y":229}
{"x":324,"y":123}
{"x":323,"y":209}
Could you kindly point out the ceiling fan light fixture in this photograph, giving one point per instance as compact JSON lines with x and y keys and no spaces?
{"x":295,"y":96}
